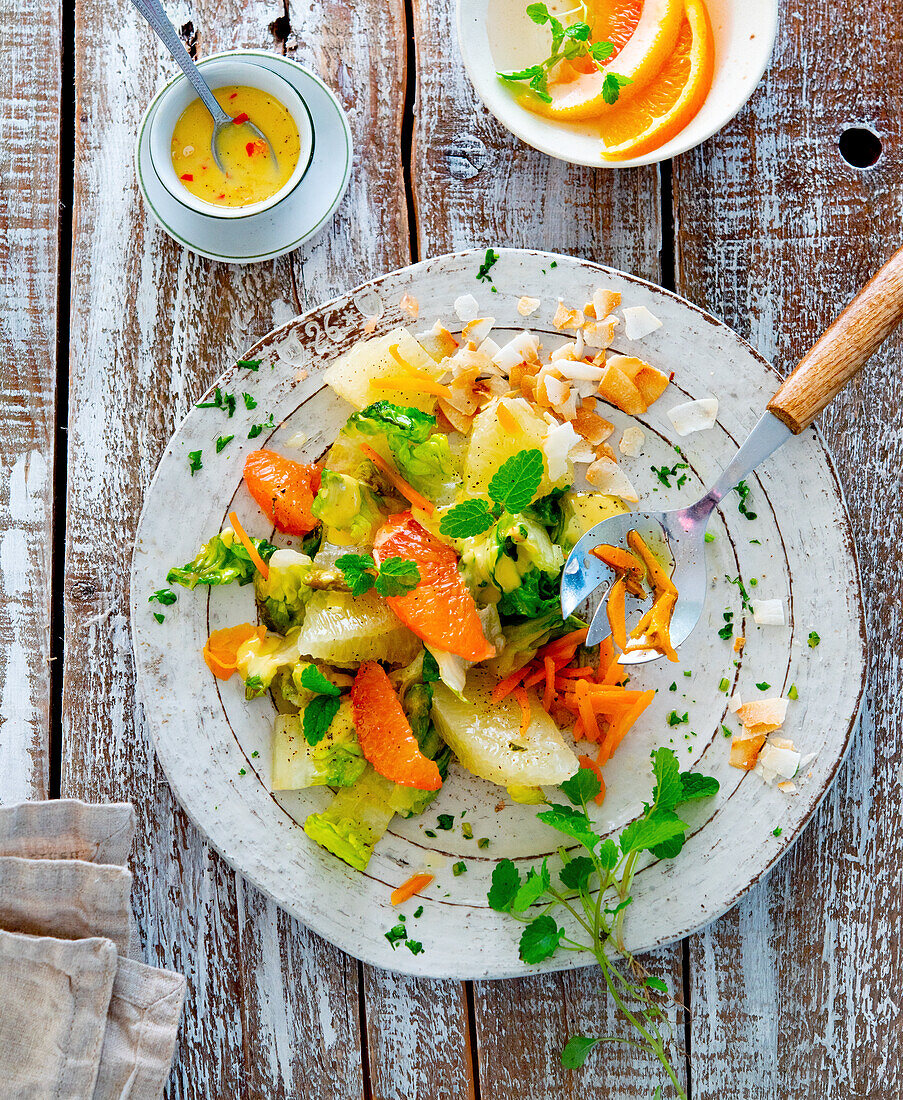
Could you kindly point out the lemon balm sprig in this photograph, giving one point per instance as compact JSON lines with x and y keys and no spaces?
{"x":568,"y":43}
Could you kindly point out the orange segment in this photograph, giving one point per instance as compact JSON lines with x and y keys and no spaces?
{"x":284,"y":489}
{"x":613,"y":21}
{"x":384,"y":734}
{"x":221,"y":650}
{"x":645,"y":122}
{"x":578,"y":95}
{"x":439,"y":610}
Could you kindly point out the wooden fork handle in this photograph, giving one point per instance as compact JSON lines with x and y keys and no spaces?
{"x":844,"y":349}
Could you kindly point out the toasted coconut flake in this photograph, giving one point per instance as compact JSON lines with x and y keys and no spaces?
{"x":567,"y":409}
{"x":593,"y":428}
{"x":567,"y":318}
{"x":734,"y":703}
{"x":489,"y":348}
{"x":600,"y":334}
{"x":478,"y":329}
{"x":578,"y":370}
{"x":763,"y":715}
{"x":584,"y":390}
{"x":745,"y":748}
{"x":787,"y":787}
{"x":605,"y":301}
{"x":497,"y":386}
{"x":526,"y":306}
{"x":557,"y":392}
{"x":409,"y":306}
{"x":582,"y":454}
{"x":639,"y":322}
{"x":559,"y":440}
{"x":466,"y":308}
{"x":606,"y":476}
{"x":783,"y":762}
{"x":438,"y":342}
{"x":781,"y":742}
{"x":458,"y":420}
{"x":649,"y":380}
{"x":631,"y":441}
{"x":768,"y":612}
{"x":566,"y":353}
{"x":694,"y":416}
{"x":618,"y":390}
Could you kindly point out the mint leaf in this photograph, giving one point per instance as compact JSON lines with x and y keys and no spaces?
{"x":473,"y":517}
{"x":650,"y":831}
{"x":601,"y":51}
{"x":578,"y":31}
{"x":577,"y":1050}
{"x":505,"y":884}
{"x":314,"y":680}
{"x":533,"y":889}
{"x":516,"y":482}
{"x":522,"y":74}
{"x":540,"y":939}
{"x":612,"y":85}
{"x":397,"y":576}
{"x":318,"y":716}
{"x":668,"y":789}
{"x":358,"y":571}
{"x":538,"y":13}
{"x":571,"y":822}
{"x":577,"y":872}
{"x":582,"y":787}
{"x":223,"y":441}
{"x":697,"y":786}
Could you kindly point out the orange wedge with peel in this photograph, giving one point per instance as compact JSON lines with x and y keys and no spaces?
{"x":645,"y":122}
{"x":577,"y":95}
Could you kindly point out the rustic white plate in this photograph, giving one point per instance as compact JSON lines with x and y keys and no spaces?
{"x":214,"y":746}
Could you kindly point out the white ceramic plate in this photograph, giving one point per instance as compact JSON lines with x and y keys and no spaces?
{"x":214,"y":746}
{"x":298,"y":217}
{"x":497,"y":35}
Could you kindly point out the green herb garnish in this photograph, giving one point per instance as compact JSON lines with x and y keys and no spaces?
{"x":793,"y":693}
{"x":249,"y":364}
{"x":250,"y":403}
{"x":223,"y":441}
{"x":743,"y":491}
{"x":489,"y":261}
{"x":813,"y":639}
{"x":159,"y":616}
{"x":459,"y":868}
{"x":194,"y":462}
{"x":164,"y":596}
{"x":393,"y":577}
{"x":512,"y":488}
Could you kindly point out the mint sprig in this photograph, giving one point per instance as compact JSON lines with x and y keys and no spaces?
{"x":511,"y":489}
{"x":568,"y":43}
{"x":596,"y":894}
{"x":320,"y":711}
{"x":393,"y":577}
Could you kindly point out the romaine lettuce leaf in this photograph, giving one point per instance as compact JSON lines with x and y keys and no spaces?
{"x":222,"y":560}
{"x":348,"y":509}
{"x":335,"y":761}
{"x":283,"y":596}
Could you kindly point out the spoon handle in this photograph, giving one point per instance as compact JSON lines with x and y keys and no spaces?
{"x":153,"y":12}
{"x":844,"y":349}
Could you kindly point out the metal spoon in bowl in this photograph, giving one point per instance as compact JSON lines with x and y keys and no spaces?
{"x":153,"y":12}
{"x":837,"y":357}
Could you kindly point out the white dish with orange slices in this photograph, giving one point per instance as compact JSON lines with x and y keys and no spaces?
{"x":217,"y":746}
{"x":692,"y":64}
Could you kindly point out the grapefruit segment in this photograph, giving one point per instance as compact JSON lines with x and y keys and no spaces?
{"x":284,"y":489}
{"x":440,"y":610}
{"x":384,"y":733}
{"x":646,"y":121}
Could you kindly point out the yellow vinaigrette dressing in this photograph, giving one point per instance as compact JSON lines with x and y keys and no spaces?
{"x":251,"y":174}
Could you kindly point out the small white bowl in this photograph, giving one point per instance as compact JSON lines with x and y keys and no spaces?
{"x":220,"y":73}
{"x":496,"y":34}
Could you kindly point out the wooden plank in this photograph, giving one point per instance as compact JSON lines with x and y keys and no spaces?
{"x":272,"y":1010}
{"x":792,"y":992}
{"x":476,"y":184}
{"x":29,"y":245}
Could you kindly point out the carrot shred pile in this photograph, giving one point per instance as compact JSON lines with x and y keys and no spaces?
{"x":603,"y":709}
{"x":412,"y":886}
{"x":406,"y":490}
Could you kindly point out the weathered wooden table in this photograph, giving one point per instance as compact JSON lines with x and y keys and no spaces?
{"x":110,"y":331}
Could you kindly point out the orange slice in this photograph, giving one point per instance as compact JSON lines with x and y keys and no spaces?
{"x":384,"y":733}
{"x":645,"y":122}
{"x":284,"y":489}
{"x":439,"y":610}
{"x":221,"y":650}
{"x":578,"y":95}
{"x":613,"y":21}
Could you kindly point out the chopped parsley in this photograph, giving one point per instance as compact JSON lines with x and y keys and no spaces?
{"x":674,"y":719}
{"x":673,"y":687}
{"x":777,"y":832}
{"x":793,"y":693}
{"x":743,"y":491}
{"x":164,"y":596}
{"x":250,"y":403}
{"x":727,"y":631}
{"x":726,"y":731}
{"x":467,"y":830}
{"x":744,"y":595}
{"x":446,"y":822}
{"x":396,"y":935}
{"x":159,"y":617}
{"x":490,"y":260}
{"x":724,"y":685}
{"x":763,"y":686}
{"x":483,"y":842}
{"x":223,"y":441}
{"x":813,"y":639}
{"x":418,"y":912}
{"x":414,"y":946}
{"x":220,"y":400}
{"x":709,"y":537}
{"x":249,"y":364}
{"x":195,"y":464}
{"x":665,"y":473}
{"x":459,"y":868}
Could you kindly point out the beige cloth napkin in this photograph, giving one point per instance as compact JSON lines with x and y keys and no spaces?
{"x":77,"y":1020}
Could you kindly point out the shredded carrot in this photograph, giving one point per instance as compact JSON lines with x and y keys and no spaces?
{"x":417,"y":383}
{"x":413,"y":886}
{"x":625,"y":723}
{"x":526,"y":716}
{"x":537,"y":675}
{"x":507,"y":421}
{"x":262,"y":568}
{"x":606,"y":658}
{"x":584,"y":673}
{"x":398,"y":481}
{"x":575,"y":638}
{"x":588,"y":762}
{"x":617,"y":613}
{"x":590,"y":725}
{"x":504,"y":687}
{"x":549,"y":693}
{"x":659,"y":579}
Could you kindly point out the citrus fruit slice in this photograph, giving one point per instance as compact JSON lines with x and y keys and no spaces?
{"x":221,"y":649}
{"x":647,"y":121}
{"x":613,"y":21}
{"x":578,"y":95}
{"x":344,"y":629}
{"x":284,"y":489}
{"x":384,"y":733}
{"x":439,"y":610}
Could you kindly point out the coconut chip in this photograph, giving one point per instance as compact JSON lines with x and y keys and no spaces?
{"x":767,"y":612}
{"x":604,"y":302}
{"x":557,"y":444}
{"x":478,"y":329}
{"x":632,"y":440}
{"x":734,"y":703}
{"x":606,"y":476}
{"x":593,"y":428}
{"x":639,"y":322}
{"x":526,"y":306}
{"x":745,"y":746}
{"x":763,"y":715}
{"x":567,"y":318}
{"x":409,"y":306}
{"x":466,"y":308}
{"x":694,"y":416}
{"x":600,"y":334}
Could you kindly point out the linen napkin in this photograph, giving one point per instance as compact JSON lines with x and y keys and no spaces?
{"x":77,"y":1019}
